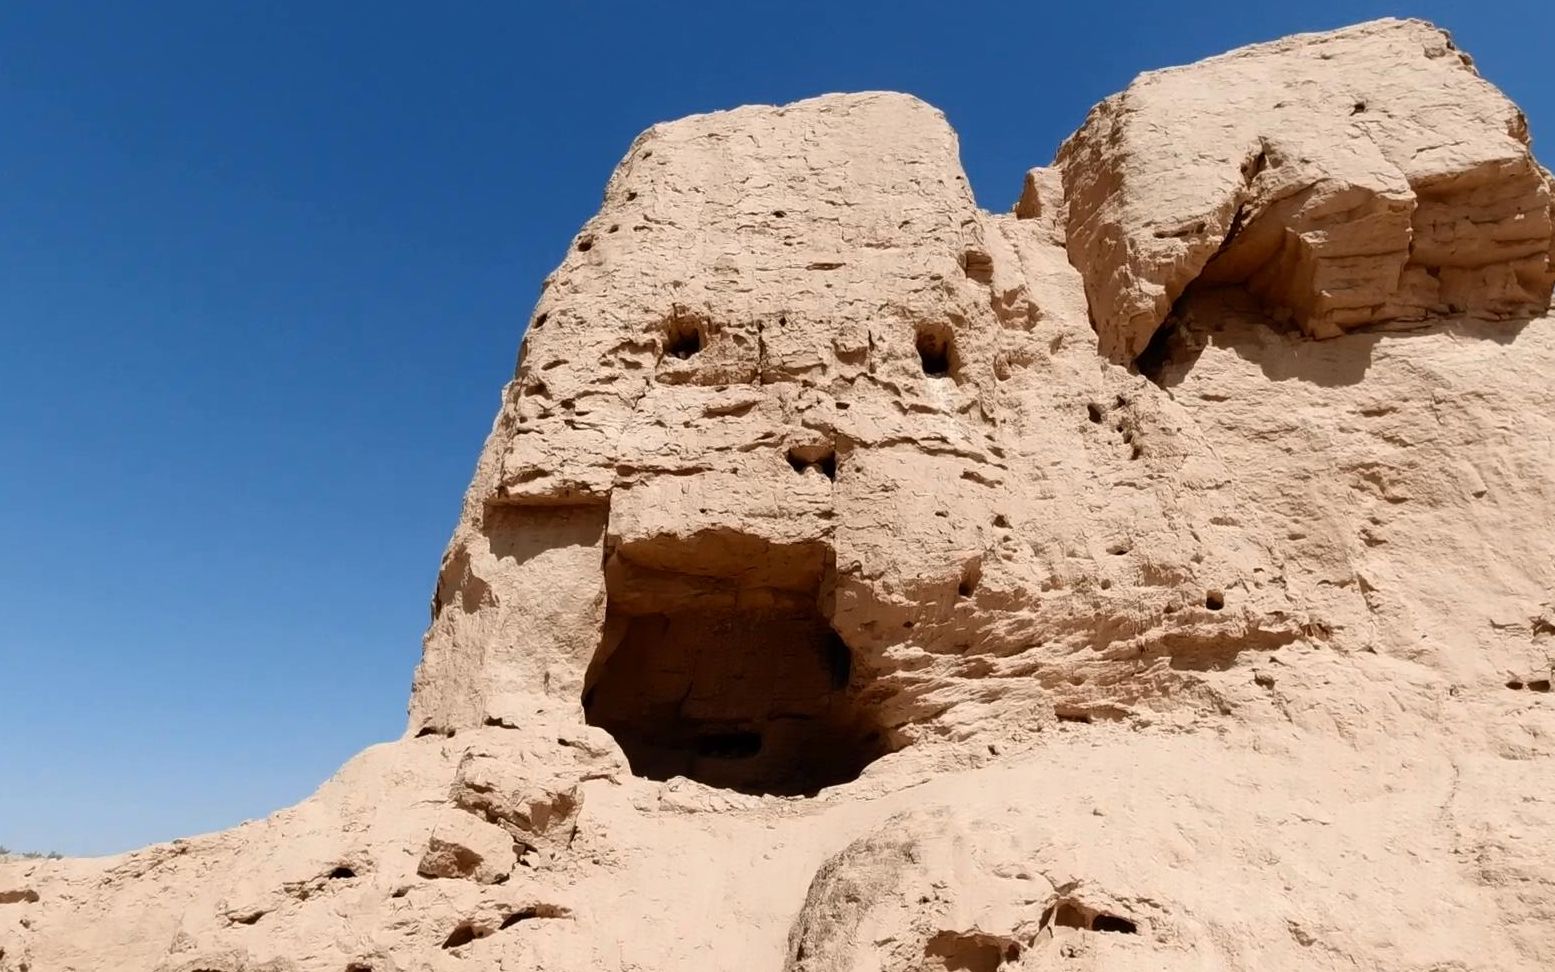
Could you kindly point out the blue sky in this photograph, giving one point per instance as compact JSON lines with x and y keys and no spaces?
{"x":262,"y":272}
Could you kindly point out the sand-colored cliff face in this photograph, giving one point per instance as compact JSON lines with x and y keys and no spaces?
{"x":827,"y":598}
{"x":1347,"y":179}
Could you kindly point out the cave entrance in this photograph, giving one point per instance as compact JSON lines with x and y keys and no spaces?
{"x":743,"y":688}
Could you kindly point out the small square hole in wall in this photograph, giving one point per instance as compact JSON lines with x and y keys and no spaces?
{"x":683,"y":337}
{"x":977,"y":265}
{"x":820,"y":458}
{"x":937,"y":350}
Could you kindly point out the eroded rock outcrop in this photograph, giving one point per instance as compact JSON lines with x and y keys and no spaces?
{"x":812,"y":408}
{"x":830,"y":594}
{"x":1346,"y":179}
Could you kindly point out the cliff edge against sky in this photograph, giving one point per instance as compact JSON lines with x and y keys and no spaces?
{"x":1157,"y":576}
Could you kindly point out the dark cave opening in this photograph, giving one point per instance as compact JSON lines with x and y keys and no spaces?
{"x":936,"y":350}
{"x":682,"y":338}
{"x":748,"y":690}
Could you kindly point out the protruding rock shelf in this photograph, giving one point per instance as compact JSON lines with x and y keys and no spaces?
{"x":1346,"y":180}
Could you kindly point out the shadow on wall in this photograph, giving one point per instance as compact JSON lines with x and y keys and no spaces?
{"x":1229,"y":317}
{"x":522,"y":533}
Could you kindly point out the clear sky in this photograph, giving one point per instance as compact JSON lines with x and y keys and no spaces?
{"x":263,"y":268}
